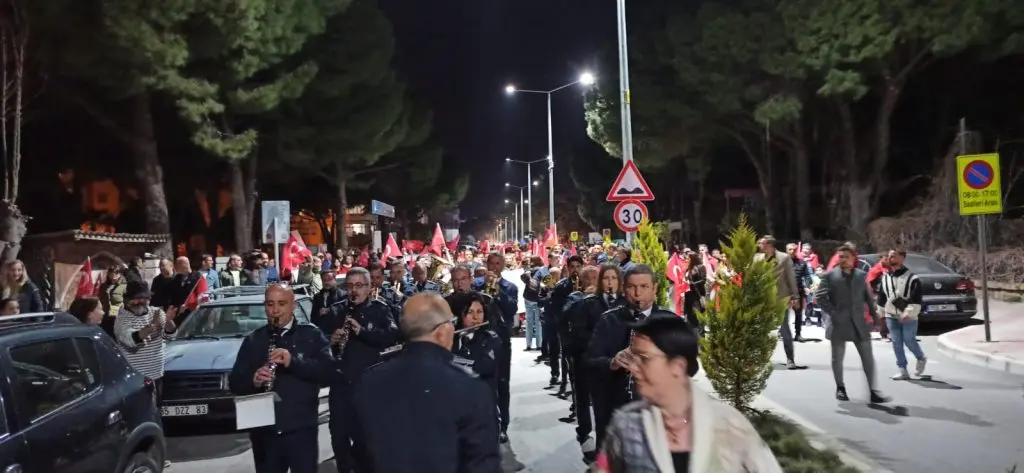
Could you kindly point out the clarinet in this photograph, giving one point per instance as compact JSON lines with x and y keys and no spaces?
{"x":346,"y":331}
{"x":275,"y":335}
{"x":630,"y":382}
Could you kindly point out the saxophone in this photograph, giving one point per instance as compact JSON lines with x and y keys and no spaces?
{"x":346,"y":329}
{"x":275,"y":335}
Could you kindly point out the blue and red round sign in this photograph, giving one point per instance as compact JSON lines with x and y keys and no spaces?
{"x":978,"y":174}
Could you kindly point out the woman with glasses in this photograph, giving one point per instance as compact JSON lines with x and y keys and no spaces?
{"x":676,"y":427}
{"x":477,"y":342}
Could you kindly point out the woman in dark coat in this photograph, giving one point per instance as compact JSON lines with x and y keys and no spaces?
{"x":480,"y":345}
{"x":16,"y":285}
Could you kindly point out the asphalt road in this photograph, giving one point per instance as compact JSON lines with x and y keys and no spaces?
{"x":965,"y":419}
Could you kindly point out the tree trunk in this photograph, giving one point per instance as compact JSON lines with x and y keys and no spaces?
{"x":243,"y":226}
{"x":698,"y":205}
{"x":802,"y":187}
{"x":251,"y":194}
{"x":859,"y":196}
{"x":148,"y":169}
{"x":12,"y":230}
{"x":340,"y":236}
{"x":212,"y":193}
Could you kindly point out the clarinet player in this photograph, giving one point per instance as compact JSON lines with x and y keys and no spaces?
{"x":360,"y":329}
{"x":293,"y":360}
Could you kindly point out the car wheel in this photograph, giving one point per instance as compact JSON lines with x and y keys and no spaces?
{"x":142,"y":462}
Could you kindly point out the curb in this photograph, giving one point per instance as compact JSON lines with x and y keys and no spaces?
{"x":977,"y":357}
{"x":821,"y":439}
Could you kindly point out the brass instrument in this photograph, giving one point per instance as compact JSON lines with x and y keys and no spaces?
{"x":376,"y":294}
{"x":275,"y":335}
{"x":491,"y":289}
{"x":435,"y":273}
{"x":575,"y":282}
{"x":346,"y":329}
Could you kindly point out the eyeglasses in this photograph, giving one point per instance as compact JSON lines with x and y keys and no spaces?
{"x":356,"y":285}
{"x":453,"y":321}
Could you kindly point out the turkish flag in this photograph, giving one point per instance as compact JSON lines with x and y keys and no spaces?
{"x":453,"y":246}
{"x":551,"y":237}
{"x":195,"y":297}
{"x":485,"y":246}
{"x":675,"y":271}
{"x":437,"y":243}
{"x":414,"y":246}
{"x":572,"y":250}
{"x":86,"y":286}
{"x":364,"y":258}
{"x":390,"y":250}
{"x":294,"y":253}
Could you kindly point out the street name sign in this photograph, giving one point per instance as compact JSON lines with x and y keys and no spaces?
{"x":979,"y":190}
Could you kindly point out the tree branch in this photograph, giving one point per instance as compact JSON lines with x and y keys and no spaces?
{"x":374,"y":169}
{"x":96,"y":111}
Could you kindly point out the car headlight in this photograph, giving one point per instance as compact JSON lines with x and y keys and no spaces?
{"x":224,"y":384}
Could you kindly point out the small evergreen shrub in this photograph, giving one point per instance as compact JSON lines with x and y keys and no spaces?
{"x":647,"y":249}
{"x":792,"y":448}
{"x":737,"y":348}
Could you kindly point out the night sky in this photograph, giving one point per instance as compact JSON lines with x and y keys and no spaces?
{"x":460,"y":55}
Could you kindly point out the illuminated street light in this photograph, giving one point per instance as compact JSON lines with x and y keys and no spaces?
{"x":587,"y":78}
{"x":510,"y":89}
{"x":536,"y":183}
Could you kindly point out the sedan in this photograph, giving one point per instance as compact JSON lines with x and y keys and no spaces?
{"x":947,"y":295}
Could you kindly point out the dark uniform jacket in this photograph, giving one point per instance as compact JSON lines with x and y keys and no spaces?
{"x":378,"y":333}
{"x":299,"y":384}
{"x":583,"y":318}
{"x":481,"y":346}
{"x":414,"y":288}
{"x":327,"y":299}
{"x":439,"y":413}
{"x":560,"y":296}
{"x":611,"y":335}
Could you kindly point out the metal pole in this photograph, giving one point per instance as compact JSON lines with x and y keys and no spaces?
{"x":529,"y":198}
{"x":522,"y":220}
{"x":551,"y":170}
{"x":624,"y":97}
{"x":982,"y":246}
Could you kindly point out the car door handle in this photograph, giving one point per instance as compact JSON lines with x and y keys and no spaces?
{"x":113,"y":418}
{"x":15,"y":468}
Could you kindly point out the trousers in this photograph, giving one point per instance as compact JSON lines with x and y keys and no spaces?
{"x":787,"y":337}
{"x":296,"y":451}
{"x":504,"y":375}
{"x":581,"y":395}
{"x":346,"y":455}
{"x":904,"y":334}
{"x":554,"y":346}
{"x":867,"y":360}
{"x":533,"y":331}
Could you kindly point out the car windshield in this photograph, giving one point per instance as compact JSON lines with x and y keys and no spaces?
{"x":230,"y":321}
{"x":922,"y":265}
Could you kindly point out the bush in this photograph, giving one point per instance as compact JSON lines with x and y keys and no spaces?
{"x":792,"y":448}
{"x":737,"y":349}
{"x":647,"y":249}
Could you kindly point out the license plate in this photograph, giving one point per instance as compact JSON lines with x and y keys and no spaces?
{"x":186,"y":410}
{"x":942,"y":308}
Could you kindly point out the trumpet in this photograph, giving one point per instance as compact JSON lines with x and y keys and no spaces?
{"x":376,"y":294}
{"x":575,"y":282}
{"x":491,"y":289}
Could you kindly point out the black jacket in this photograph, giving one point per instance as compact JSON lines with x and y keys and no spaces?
{"x":584,"y":317}
{"x":378,"y":333}
{"x":482,"y":347}
{"x":559,"y":296}
{"x":162,"y":288}
{"x":298,"y":385}
{"x":326,"y":299}
{"x":441,"y":414}
{"x":611,"y":335}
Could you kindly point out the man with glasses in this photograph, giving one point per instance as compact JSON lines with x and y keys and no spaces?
{"x":367,"y":328}
{"x":424,"y":390}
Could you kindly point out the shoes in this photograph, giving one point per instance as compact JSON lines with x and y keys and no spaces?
{"x":503,"y":437}
{"x":569,"y":419}
{"x":901,"y":376}
{"x":528,"y":349}
{"x":878,"y":398}
{"x":799,"y":339}
{"x":791,"y":365}
{"x":841,"y":394}
{"x":582,"y":439}
{"x":167,"y":464}
{"x":553,"y":381}
{"x":919,"y":367}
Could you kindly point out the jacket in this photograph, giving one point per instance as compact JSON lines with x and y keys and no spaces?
{"x":583,"y":319}
{"x":844,"y":298}
{"x":244,"y":278}
{"x":784,"y":274}
{"x":298,"y":385}
{"x":899,"y":294}
{"x":443,"y":416}
{"x":724,"y":441}
{"x":362,"y":350}
{"x":611,"y":335}
{"x":482,"y":347}
{"x":507,"y":300}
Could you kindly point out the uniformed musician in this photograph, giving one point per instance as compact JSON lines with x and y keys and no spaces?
{"x":329,"y":296}
{"x":506,"y":299}
{"x":476,"y":340}
{"x":435,"y":411}
{"x":383,"y":292}
{"x":360,"y":329}
{"x":303,"y":364}
{"x":420,"y":283}
{"x":398,"y":279}
{"x":559,"y":297}
{"x":608,"y":353}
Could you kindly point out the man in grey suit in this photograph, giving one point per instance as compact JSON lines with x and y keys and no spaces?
{"x":843,"y":296}
{"x":787,"y":288}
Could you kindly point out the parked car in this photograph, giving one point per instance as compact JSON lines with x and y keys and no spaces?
{"x":199,"y":358}
{"x":71,"y":403}
{"x":947,"y":295}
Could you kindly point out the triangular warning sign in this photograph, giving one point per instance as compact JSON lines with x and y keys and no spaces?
{"x":630,"y":185}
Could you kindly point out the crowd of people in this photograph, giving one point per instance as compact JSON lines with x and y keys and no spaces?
{"x":416,"y":349}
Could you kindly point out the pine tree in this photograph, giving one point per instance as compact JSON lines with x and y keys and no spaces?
{"x":647,"y":249}
{"x":737,"y":350}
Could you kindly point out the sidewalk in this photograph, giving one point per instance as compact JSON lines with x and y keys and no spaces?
{"x":1006,"y":350}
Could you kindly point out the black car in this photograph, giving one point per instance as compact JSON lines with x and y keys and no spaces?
{"x":197,"y":361}
{"x":71,"y":403}
{"x":947,"y":294}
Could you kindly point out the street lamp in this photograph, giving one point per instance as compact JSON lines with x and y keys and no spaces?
{"x":585,"y":79}
{"x":529,"y":190}
{"x":522,"y":206}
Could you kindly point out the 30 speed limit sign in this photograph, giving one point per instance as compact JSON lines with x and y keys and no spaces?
{"x":629,"y":214}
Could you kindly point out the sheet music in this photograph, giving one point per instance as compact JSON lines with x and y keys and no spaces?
{"x":256,"y":410}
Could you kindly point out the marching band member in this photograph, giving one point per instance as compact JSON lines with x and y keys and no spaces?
{"x":383,"y":293}
{"x":327,"y":299}
{"x":298,"y":364}
{"x":607,"y":352}
{"x":559,"y":297}
{"x":481,"y":344}
{"x":420,"y":283}
{"x":506,"y":298}
{"x":360,"y":329}
{"x":426,"y":403}
{"x":398,"y":279}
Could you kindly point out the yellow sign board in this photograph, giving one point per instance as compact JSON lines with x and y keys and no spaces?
{"x":979,"y":189}
{"x":607,"y":234}
{"x":574,"y":236}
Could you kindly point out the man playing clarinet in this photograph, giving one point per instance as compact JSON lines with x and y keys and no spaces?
{"x":293,"y":360}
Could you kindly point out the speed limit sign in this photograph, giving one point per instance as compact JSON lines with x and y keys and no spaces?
{"x":629,"y":214}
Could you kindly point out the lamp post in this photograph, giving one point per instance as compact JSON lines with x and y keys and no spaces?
{"x":624,"y":96}
{"x":586,"y":79}
{"x":522,"y":204}
{"x":529,"y":190}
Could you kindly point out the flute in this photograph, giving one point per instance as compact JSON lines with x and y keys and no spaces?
{"x":395,"y":348}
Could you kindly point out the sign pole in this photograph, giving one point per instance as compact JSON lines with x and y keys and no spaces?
{"x":277,"y":248}
{"x":982,"y":246}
